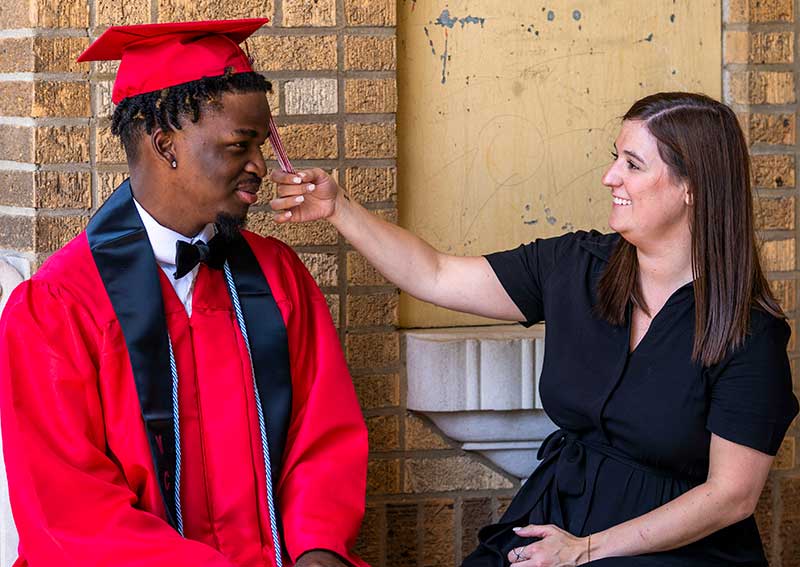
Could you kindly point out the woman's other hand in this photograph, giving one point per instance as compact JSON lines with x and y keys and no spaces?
{"x":307,"y":195}
{"x":556,"y":548}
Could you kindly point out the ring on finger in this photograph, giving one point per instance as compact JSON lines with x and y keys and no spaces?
{"x":518,"y":556}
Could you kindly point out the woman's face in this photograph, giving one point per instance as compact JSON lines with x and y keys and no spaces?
{"x":648,"y":205}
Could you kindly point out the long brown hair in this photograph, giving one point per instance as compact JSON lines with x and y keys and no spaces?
{"x":700,"y":141}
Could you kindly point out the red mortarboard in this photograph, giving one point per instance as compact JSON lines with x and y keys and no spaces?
{"x":157,"y":56}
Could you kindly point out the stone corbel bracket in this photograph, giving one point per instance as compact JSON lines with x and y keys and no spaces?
{"x":479,"y":385}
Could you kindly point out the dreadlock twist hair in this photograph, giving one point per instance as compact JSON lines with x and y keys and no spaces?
{"x":167,"y":108}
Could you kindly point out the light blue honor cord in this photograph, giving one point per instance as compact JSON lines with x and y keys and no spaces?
{"x":261,"y":425}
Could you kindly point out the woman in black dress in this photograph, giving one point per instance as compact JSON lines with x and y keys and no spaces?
{"x":665,"y":365}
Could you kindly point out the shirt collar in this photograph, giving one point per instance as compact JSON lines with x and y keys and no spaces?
{"x":163,"y":239}
{"x":600,"y":245}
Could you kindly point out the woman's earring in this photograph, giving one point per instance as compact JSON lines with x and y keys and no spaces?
{"x":174,"y":164}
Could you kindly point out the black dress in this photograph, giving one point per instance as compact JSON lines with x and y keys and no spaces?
{"x":635,"y":428}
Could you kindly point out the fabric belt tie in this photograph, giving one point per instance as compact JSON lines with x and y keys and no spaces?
{"x":570,"y":455}
{"x":563,"y":471}
{"x":568,"y":451}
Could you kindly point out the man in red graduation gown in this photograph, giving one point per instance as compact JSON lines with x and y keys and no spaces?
{"x":172,"y":388}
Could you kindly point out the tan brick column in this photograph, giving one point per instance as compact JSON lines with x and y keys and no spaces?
{"x":45,"y":179}
{"x":45,"y":187}
{"x":761,"y":67}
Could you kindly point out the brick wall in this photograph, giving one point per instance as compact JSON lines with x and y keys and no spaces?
{"x":332,"y":63}
{"x":760,"y":73}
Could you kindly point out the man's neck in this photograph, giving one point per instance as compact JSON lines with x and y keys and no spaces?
{"x":160,"y":207}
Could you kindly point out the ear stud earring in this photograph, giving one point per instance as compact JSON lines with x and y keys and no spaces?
{"x":174,"y":164}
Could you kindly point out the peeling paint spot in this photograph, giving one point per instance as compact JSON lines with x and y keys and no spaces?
{"x":530,"y":222}
{"x":649,"y":38}
{"x":471,"y":20}
{"x":445,"y":20}
{"x":551,"y":15}
{"x":445,"y":62}
{"x":672,"y":18}
{"x":576,"y":15}
{"x":550,"y":218}
{"x":445,"y":58}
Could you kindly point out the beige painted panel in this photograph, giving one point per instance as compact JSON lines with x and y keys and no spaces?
{"x":508,"y":111}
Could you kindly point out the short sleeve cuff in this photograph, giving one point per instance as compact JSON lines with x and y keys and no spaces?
{"x":509,"y":276}
{"x":764,"y":436}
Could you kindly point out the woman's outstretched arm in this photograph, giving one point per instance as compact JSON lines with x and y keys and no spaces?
{"x":465,"y":284}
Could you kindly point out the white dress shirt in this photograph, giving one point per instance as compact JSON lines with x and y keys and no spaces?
{"x":163,"y":240}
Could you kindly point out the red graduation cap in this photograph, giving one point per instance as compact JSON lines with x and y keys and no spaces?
{"x":157,"y":56}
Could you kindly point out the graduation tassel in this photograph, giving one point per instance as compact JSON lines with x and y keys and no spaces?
{"x":277,"y":147}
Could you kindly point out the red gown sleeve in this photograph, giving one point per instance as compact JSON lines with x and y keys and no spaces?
{"x":70,"y":501}
{"x":323,"y":483}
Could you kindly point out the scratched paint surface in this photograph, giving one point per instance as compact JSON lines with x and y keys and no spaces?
{"x":508,"y":112}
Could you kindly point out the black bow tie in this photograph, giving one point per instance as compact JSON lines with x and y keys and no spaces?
{"x":187,"y":256}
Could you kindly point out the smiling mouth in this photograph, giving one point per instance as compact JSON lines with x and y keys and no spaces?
{"x":621,"y":201}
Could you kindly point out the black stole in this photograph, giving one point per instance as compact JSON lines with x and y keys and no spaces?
{"x":124,"y":258}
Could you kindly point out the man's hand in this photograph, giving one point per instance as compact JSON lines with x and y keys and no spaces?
{"x":320,"y":558}
{"x":307,"y":195}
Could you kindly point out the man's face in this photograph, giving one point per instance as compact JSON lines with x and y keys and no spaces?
{"x":220,"y":164}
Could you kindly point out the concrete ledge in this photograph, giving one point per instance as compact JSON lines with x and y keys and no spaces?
{"x":479,"y":385}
